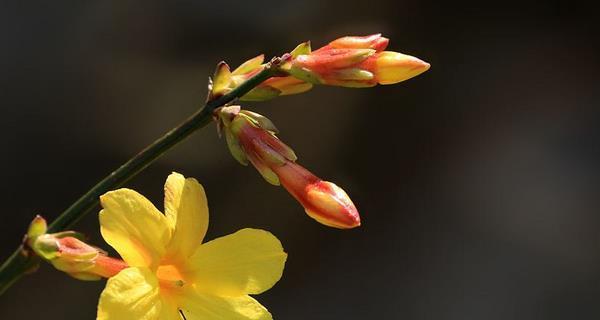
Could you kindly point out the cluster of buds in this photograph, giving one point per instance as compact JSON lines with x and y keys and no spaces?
{"x":348,"y":62}
{"x":251,"y":139}
{"x":68,"y":253}
{"x":353,"y":62}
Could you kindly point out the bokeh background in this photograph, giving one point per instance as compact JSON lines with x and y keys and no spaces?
{"x":477,"y":181}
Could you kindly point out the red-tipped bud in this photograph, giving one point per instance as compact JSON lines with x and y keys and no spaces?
{"x":355,"y":62}
{"x":251,"y":138}
{"x":322,"y":200}
{"x":71,"y":255}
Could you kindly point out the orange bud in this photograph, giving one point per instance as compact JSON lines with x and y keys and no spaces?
{"x":77,"y":258}
{"x":322,"y":200}
{"x":71,"y":255}
{"x":355,"y":62}
{"x":251,"y":138}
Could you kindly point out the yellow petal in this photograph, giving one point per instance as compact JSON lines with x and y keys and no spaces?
{"x":131,"y":294}
{"x":199,"y":306}
{"x":134,"y":227}
{"x":187,"y":210}
{"x":249,"y":261}
{"x":168,"y":311}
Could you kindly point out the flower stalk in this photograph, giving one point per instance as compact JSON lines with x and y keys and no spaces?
{"x":23,"y":260}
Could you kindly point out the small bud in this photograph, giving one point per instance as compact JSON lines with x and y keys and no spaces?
{"x":71,"y":255}
{"x":254,"y":140}
{"x":37,"y":227}
{"x":322,"y":200}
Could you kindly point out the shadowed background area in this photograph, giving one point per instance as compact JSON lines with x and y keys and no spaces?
{"x":477,"y":181}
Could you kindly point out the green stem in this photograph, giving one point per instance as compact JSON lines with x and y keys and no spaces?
{"x":20,"y":261}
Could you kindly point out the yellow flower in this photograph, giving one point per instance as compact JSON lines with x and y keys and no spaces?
{"x":170,"y":271}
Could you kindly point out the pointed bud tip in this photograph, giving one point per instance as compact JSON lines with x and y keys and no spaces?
{"x":331,"y":206}
{"x":222,"y":64}
{"x":393,"y":67}
{"x":37,"y":227}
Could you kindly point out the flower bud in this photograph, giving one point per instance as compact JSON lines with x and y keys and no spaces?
{"x":251,"y":138}
{"x":37,"y":227}
{"x":322,"y":200}
{"x":69,"y":254}
{"x":353,"y":62}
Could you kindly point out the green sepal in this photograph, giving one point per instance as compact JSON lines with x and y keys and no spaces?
{"x":304,"y":74}
{"x":235,"y":148}
{"x":227,"y":114}
{"x":262,"y":121}
{"x":352,"y":83}
{"x":46,"y":247}
{"x":353,"y":74}
{"x":84,"y":276}
{"x":267,"y":174}
{"x":261,"y":93}
{"x":249,"y":65}
{"x":221,"y":79}
{"x":303,"y":48}
{"x":268,"y":155}
{"x":270,"y":176}
{"x":73,"y":234}
{"x":284,"y":149}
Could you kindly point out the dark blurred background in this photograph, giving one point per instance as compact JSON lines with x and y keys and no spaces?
{"x":477,"y":181}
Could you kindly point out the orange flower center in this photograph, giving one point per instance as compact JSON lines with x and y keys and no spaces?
{"x":169,"y":277}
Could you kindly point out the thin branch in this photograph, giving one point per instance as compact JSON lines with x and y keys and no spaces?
{"x":20,"y":261}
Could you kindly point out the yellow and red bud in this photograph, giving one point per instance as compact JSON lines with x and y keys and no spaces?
{"x":251,"y":138}
{"x":70,"y":254}
{"x":322,"y":200}
{"x":355,"y":62}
